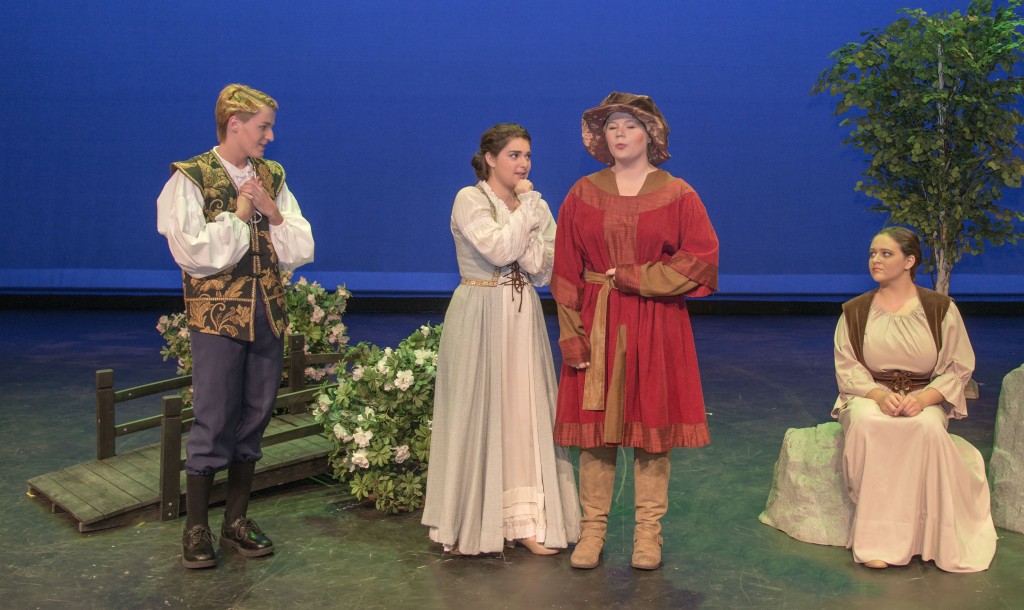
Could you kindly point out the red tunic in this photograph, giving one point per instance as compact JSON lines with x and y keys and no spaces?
{"x":661,"y":233}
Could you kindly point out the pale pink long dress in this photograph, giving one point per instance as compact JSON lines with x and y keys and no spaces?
{"x":918,"y":490}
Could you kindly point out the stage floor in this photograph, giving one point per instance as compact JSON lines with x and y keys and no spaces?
{"x":761,"y":375}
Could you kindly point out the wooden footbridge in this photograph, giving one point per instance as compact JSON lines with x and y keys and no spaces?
{"x":147,"y":483}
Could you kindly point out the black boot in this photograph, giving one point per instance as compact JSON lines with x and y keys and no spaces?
{"x":197,"y":539}
{"x":240,"y":533}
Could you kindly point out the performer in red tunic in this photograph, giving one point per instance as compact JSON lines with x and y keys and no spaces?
{"x":632,"y":243}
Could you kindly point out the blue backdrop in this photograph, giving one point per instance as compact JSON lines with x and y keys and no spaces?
{"x":382,"y":105}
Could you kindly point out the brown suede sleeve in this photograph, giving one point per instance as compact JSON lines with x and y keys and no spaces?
{"x":652,"y":280}
{"x":574,"y":343}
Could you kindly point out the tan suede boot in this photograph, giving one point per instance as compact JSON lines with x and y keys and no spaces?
{"x":597,"y":482}
{"x":650,"y":475}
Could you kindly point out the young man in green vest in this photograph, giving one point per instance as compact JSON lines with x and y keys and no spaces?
{"x":232,"y":225}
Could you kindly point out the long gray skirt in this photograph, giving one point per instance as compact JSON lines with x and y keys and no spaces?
{"x":491,"y":351}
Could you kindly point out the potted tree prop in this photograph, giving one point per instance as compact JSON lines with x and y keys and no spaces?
{"x":933,"y":103}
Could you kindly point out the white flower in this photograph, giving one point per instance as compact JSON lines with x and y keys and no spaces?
{"x":382,"y":367}
{"x":423,"y":355}
{"x":318,"y":314}
{"x":367,"y":411}
{"x":341,"y":433}
{"x":311,"y":299}
{"x":401,"y":453}
{"x":183,"y":333}
{"x":388,"y":387}
{"x":362,"y":437}
{"x":388,"y":351}
{"x":323,"y":400}
{"x":425,"y":330}
{"x":357,"y":373}
{"x":403,"y":380}
{"x":359,"y":459}
{"x":301,"y":282}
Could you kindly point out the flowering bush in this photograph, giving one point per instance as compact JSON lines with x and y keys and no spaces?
{"x":174,"y":330}
{"x":311,"y":310}
{"x":316,"y":313}
{"x":379,"y":418}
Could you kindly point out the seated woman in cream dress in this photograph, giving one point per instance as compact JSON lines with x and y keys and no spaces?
{"x":902,"y":359}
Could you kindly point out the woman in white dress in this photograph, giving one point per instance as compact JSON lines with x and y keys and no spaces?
{"x":495,"y":475}
{"x":902,"y":360}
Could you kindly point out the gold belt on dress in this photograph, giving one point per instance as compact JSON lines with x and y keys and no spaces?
{"x":514,"y":278}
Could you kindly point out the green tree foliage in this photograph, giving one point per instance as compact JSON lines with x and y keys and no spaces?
{"x":933,"y":102}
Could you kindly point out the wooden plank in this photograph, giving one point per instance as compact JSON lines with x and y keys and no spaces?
{"x":156,"y":387}
{"x":145,"y":476}
{"x":128,"y":485}
{"x":144,"y":457}
{"x":291,"y":452}
{"x":297,"y":419}
{"x":296,"y":472}
{"x":296,"y":361}
{"x":71,"y":498}
{"x":105,"y":443}
{"x":146,"y":423}
{"x":49,"y":486}
{"x":325,"y":358}
{"x":170,"y":458}
{"x":97,"y":491}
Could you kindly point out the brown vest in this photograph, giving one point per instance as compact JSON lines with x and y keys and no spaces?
{"x":225,"y":303}
{"x":856,"y":310}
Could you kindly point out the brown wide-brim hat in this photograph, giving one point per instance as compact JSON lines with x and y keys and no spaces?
{"x":640,"y":106}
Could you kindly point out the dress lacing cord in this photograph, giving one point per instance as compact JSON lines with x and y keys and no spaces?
{"x":517,"y":280}
{"x":515,"y":276}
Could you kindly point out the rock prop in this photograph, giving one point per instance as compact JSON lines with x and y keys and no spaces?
{"x":1006,"y":467}
{"x":807,"y":499}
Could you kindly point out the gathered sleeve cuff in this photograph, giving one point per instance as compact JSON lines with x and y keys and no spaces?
{"x":538,"y":259}
{"x":293,"y":238}
{"x":691,"y":270}
{"x":199,"y":247}
{"x":573,"y":341}
{"x":500,"y":244}
{"x":954,"y":365}
{"x":652,"y":280}
{"x":853,"y":378}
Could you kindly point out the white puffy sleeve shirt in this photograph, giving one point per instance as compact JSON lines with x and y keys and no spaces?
{"x":526,"y":235}
{"x":204,"y":248}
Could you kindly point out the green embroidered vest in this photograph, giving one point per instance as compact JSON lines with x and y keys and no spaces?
{"x":225,"y":303}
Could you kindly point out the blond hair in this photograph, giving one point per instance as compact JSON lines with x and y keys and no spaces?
{"x":242,"y":101}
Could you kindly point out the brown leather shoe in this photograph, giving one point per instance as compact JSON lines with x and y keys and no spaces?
{"x":197,"y":547}
{"x":876,"y":564}
{"x":245,"y":537}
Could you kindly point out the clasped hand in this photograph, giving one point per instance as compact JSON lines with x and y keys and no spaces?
{"x":252,"y":195}
{"x":900,"y":405}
